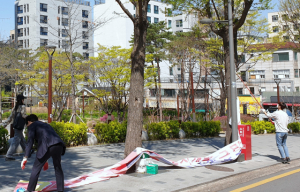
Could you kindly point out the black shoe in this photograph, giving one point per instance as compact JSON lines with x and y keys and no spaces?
{"x":288,"y":159}
{"x":9,"y":159}
{"x":282,"y":160}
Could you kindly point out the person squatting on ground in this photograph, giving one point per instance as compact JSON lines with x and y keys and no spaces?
{"x":281,"y":121}
{"x":17,"y":116}
{"x":49,"y":145}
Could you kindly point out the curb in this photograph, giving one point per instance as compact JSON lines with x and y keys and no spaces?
{"x":232,"y":180}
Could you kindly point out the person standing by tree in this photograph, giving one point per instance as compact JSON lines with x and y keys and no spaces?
{"x":281,"y":121}
{"x":17,"y":116}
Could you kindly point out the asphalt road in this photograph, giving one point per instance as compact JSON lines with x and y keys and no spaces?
{"x":287,"y":181}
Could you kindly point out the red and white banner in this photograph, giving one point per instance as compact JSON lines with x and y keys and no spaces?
{"x":226,"y":154}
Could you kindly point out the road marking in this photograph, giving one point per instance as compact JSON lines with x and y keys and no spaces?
{"x":265,"y":181}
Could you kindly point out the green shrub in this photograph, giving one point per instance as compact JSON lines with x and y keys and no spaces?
{"x":174,"y":129}
{"x":258,"y":127}
{"x":295,"y":127}
{"x":113,"y":132}
{"x":3,"y":139}
{"x":158,"y":131}
{"x":43,"y":116}
{"x":6,"y":115}
{"x":71,"y":134}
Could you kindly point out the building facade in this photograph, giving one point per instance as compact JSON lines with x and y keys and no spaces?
{"x":57,"y":23}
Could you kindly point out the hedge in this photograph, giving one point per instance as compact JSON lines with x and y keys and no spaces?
{"x":113,"y":132}
{"x":3,"y":139}
{"x":71,"y":134}
{"x":295,"y":127}
{"x":258,"y":127}
{"x":170,"y":130}
{"x":39,"y":115}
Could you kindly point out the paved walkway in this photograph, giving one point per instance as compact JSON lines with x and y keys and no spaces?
{"x":81,"y":160}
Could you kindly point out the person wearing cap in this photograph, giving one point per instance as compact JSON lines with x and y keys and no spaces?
{"x":18,"y":138}
{"x":281,"y":120}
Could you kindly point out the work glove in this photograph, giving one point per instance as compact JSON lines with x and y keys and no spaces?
{"x":23,"y":164}
{"x":46,"y":166}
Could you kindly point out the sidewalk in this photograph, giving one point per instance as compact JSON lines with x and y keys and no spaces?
{"x":81,"y":160}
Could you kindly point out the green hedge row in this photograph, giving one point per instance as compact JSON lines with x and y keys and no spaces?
{"x":259,"y":127}
{"x":114,"y":132}
{"x":3,"y":139}
{"x":170,"y":129}
{"x":71,"y":134}
{"x":295,"y":127}
{"x":39,"y":115}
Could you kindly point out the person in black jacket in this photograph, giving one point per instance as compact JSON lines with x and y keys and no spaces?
{"x":49,"y":145}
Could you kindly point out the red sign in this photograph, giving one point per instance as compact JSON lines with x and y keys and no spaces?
{"x":245,"y":134}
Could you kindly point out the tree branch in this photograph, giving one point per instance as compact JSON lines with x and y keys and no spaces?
{"x":126,"y":10}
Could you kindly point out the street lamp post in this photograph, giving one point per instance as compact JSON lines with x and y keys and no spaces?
{"x":277,"y":81}
{"x":232,"y":70}
{"x":50,"y":56}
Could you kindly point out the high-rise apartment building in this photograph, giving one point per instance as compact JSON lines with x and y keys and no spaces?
{"x":62,"y":23}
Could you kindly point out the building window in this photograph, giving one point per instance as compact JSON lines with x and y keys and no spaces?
{"x":27,"y":7}
{"x":64,"y":22}
{"x":149,"y":8}
{"x":64,"y":33}
{"x":257,"y":74}
{"x":58,"y":9}
{"x":27,"y":39}
{"x":20,"y":44}
{"x":242,"y":58}
{"x":240,"y":91}
{"x":43,"y":42}
{"x":179,"y":23}
{"x":85,"y":14}
{"x":85,"y":35}
{"x":286,"y":38}
{"x":58,"y":43}
{"x":58,"y":20}
{"x":297,"y":89}
{"x":169,"y":23}
{"x":200,"y":93}
{"x":243,"y":75}
{"x":149,"y":19}
{"x":20,"y":9}
{"x":171,"y":70}
{"x":280,"y":57}
{"x":65,"y":44}
{"x":20,"y":20}
{"x":252,"y":90}
{"x":44,"y":30}
{"x":25,"y":12}
{"x":263,"y":89}
{"x":156,"y":9}
{"x":24,"y":19}
{"x":134,"y":7}
{"x":25,"y":43}
{"x":64,"y":10}
{"x":85,"y":46}
{"x":275,"y":29}
{"x":296,"y":73}
{"x":43,"y":7}
{"x":285,"y":28}
{"x":43,"y":19}
{"x":86,"y":55}
{"x":282,"y":74}
{"x":27,"y":31}
{"x":274,"y":18}
{"x":155,"y":20}
{"x":85,"y":24}
{"x":20,"y":32}
{"x":27,"y":19}
{"x":295,"y":56}
{"x":58,"y":31}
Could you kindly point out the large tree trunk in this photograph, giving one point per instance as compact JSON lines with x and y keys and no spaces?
{"x":136,"y":98}
{"x":0,"y":103}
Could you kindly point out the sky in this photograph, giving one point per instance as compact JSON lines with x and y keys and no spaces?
{"x":7,"y":16}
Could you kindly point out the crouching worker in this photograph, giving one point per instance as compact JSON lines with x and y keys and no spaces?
{"x":49,"y":145}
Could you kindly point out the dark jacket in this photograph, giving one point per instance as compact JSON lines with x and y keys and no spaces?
{"x":45,"y":136}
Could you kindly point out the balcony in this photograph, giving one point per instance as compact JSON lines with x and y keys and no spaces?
{"x":20,"y":11}
{"x":43,"y":9}
{"x":20,"y":23}
{"x":20,"y":34}
{"x":44,"y":21}
{"x":85,"y":26}
{"x":64,"y":24}
{"x":85,"y":47}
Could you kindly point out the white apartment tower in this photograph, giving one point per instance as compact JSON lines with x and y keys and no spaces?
{"x":54,"y":22}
